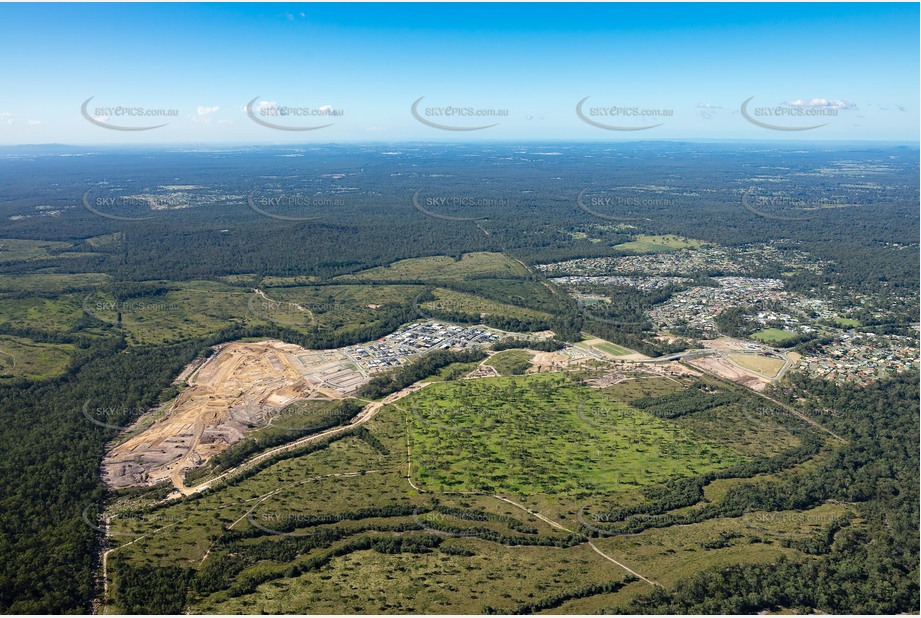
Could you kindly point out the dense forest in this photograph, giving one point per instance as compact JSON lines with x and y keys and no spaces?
{"x":871,"y":570}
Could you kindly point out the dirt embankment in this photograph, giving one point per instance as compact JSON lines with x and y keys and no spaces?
{"x":235,"y":391}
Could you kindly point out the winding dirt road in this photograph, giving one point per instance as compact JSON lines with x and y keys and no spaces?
{"x":366,"y":414}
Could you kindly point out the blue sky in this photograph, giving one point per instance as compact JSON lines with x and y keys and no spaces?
{"x":852,"y":68}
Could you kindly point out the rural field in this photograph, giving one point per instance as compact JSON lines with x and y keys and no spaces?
{"x":416,"y":509}
{"x":658,"y":244}
{"x":444,"y":268}
{"x":24,"y":358}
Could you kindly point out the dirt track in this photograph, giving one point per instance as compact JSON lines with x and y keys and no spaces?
{"x":366,"y":414}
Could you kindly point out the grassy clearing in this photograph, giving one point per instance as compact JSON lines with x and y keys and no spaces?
{"x":24,"y":358}
{"x":52,"y":283}
{"x":430,"y":583}
{"x":55,"y":315}
{"x":605,"y":346}
{"x":539,"y":435}
{"x":643,"y":386}
{"x":449,"y":300}
{"x":529,"y":439}
{"x":335,"y":307}
{"x":191,"y":309}
{"x":773,"y":335}
{"x":671,"y":554}
{"x":613,"y":348}
{"x":443,"y":268}
{"x":766,"y":366}
{"x":196,"y":308}
{"x":15,"y":250}
{"x":511,"y":362}
{"x":659,"y":244}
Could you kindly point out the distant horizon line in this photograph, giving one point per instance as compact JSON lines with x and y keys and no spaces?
{"x":534,"y":141}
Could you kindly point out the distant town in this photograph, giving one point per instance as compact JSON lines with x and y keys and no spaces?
{"x":845,"y":351}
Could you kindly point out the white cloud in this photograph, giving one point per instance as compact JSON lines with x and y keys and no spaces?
{"x":263,"y":105}
{"x":6,"y":116}
{"x":35,"y":123}
{"x":707,"y":111}
{"x":822,"y":104}
{"x":203,"y":113}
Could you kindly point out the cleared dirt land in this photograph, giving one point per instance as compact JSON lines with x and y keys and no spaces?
{"x":725,"y":369}
{"x":765,"y":365}
{"x":238,"y":389}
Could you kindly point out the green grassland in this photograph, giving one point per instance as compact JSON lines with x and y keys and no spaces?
{"x":197,"y":308}
{"x":342,"y":528}
{"x":450,"y":300}
{"x":659,"y":244}
{"x":15,"y":250}
{"x":185,"y":310}
{"x":511,"y":362}
{"x":52,"y":315}
{"x":518,"y":292}
{"x":334,"y":307}
{"x":51,"y":283}
{"x":607,"y":346}
{"x":48,"y":302}
{"x":773,"y":335}
{"x":431,"y":583}
{"x":272,"y":282}
{"x":613,"y":348}
{"x":24,"y":358}
{"x":535,"y":435}
{"x":443,"y":268}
